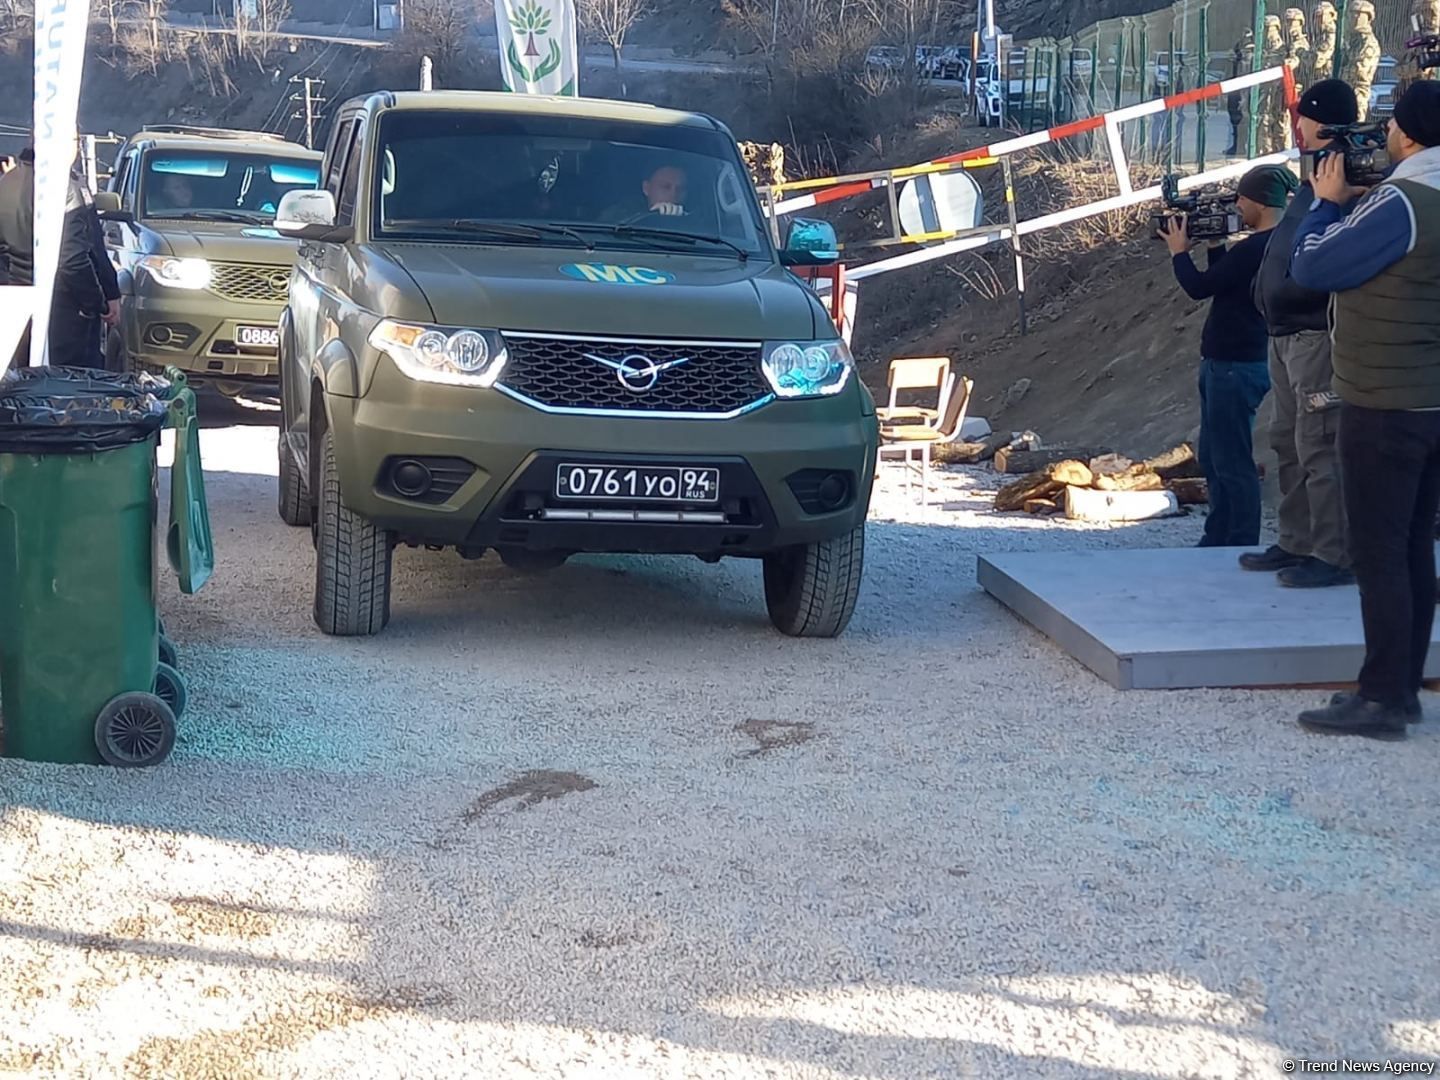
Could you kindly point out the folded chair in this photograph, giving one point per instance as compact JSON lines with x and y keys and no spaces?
{"x":915,"y":373}
{"x":913,"y":442}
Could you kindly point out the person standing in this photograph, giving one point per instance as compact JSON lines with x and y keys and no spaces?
{"x":1362,"y":54}
{"x":1312,"y":551}
{"x":1381,"y":259}
{"x":1241,"y":60}
{"x":1322,"y":61}
{"x":1274,"y":128}
{"x":1233,"y":375}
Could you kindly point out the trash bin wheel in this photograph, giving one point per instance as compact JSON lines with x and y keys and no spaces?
{"x":170,"y":688}
{"x":168,"y":655}
{"x":135,"y":730}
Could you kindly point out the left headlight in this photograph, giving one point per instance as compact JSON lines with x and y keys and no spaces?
{"x":178,"y":273}
{"x":456,"y":356}
{"x":801,"y":369}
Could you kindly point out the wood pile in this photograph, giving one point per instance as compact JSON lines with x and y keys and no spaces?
{"x":1067,"y":481}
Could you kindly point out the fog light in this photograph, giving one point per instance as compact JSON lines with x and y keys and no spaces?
{"x":833,"y":491}
{"x":411,"y":479}
{"x":161,"y":335}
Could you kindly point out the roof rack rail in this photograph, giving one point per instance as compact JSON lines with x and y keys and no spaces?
{"x":211,"y":132}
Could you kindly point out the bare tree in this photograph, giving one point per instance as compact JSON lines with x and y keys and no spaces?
{"x":17,"y":19}
{"x":440,"y":29}
{"x":257,"y":26}
{"x":110,"y":12}
{"x":611,"y":21}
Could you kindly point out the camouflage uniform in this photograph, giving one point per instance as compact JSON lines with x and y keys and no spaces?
{"x":1274,"y":126}
{"x":1427,"y":12}
{"x":1362,"y":57}
{"x":1322,"y":60}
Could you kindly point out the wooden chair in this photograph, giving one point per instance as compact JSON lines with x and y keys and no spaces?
{"x":916,"y":373}
{"x":913,"y":442}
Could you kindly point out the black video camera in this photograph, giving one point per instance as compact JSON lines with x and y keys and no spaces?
{"x":1367,"y":161}
{"x":1426,"y":49}
{"x":1209,"y":214}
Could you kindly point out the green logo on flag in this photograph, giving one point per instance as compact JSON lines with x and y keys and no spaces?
{"x":533,"y":21}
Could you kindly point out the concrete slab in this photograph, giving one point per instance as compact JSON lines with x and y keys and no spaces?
{"x":1184,"y":617}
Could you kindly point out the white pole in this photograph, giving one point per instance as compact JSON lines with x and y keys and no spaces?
{"x":427,"y":80}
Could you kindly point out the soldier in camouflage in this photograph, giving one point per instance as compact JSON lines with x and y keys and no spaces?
{"x":1274,"y":120}
{"x":1362,"y":56}
{"x":1322,"y":60}
{"x":1242,"y":60}
{"x":1426,"y":21}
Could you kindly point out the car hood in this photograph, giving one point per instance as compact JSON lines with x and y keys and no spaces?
{"x":225,"y":242}
{"x":621,"y":293}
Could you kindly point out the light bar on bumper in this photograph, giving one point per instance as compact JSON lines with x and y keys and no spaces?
{"x":807,"y":369}
{"x":455,"y":356}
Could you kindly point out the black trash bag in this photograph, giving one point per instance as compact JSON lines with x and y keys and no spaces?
{"x":65,"y":410}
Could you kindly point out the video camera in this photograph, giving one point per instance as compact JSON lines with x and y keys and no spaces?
{"x":1367,"y":161}
{"x":1426,"y":49}
{"x":1209,"y":214}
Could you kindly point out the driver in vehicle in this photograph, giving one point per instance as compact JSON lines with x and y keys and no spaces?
{"x":665,"y":191}
{"x":175,"y":194}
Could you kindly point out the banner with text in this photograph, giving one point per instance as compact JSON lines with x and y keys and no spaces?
{"x":539,"y":46}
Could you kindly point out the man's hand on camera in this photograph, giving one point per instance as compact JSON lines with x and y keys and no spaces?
{"x":1330,"y":183}
{"x":1173,"y":233}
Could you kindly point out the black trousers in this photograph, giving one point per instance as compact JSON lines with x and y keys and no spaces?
{"x":1390,"y":471}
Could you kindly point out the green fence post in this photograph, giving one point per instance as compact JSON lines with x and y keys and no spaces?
{"x":1257,"y":20}
{"x":1120,"y":61}
{"x":1056,"y":95}
{"x":1144,"y":86}
{"x":1095,"y":109}
{"x":1337,"y":65}
{"x":1203,"y":106}
{"x":1034,"y":87}
{"x":1172,"y":88}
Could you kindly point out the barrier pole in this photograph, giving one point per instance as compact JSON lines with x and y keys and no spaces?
{"x":1015,"y":240}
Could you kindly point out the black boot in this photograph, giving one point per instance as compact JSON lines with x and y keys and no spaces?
{"x":1356,"y":716}
{"x":1315,"y":574}
{"x":1270,"y":560}
{"x":1413,"y":712}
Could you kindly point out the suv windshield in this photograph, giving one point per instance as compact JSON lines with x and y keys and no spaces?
{"x":210,"y":185}
{"x":604,"y":183}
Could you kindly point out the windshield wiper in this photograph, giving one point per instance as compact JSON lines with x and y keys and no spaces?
{"x":240,"y":216}
{"x":683,"y":237}
{"x":511,"y":230}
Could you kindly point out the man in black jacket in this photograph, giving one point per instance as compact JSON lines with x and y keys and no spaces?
{"x":1312,"y":550}
{"x":79,"y":298}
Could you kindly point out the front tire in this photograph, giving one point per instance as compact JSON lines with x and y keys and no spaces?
{"x":352,"y":561}
{"x":811,"y":589}
{"x":294,"y":491}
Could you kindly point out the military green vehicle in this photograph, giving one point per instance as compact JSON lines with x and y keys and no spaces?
{"x":548,"y":326}
{"x":203,"y":273}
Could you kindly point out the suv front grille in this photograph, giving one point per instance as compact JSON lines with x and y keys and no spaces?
{"x":252,"y":282}
{"x":563,"y":374}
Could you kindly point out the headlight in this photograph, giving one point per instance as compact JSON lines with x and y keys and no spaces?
{"x":178,"y":273}
{"x":437,"y":354}
{"x":800,"y":369}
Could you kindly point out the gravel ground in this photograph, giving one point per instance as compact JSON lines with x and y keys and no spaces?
{"x":605,"y":822}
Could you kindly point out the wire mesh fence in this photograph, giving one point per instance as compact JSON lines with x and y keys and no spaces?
{"x":1127,"y":60}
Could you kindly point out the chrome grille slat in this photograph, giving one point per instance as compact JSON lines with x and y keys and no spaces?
{"x":250,"y":282}
{"x":555,"y":372}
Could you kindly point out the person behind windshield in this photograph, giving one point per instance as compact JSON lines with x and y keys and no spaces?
{"x":665,"y":190}
{"x":175,"y":193}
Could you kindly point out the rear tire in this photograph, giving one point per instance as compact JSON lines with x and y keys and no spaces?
{"x":811,"y":589}
{"x":294,"y":491}
{"x":352,"y":561}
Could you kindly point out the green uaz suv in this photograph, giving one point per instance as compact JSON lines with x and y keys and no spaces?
{"x":550,"y":326}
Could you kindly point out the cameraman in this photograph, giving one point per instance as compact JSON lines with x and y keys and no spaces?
{"x":1381,"y":258}
{"x":1233,"y":375}
{"x":1312,"y":550}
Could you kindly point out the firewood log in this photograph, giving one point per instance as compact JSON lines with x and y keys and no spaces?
{"x":1017,"y":462}
{"x":1045,"y":483}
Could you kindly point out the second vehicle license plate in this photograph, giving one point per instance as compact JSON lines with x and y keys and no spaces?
{"x":638,"y":483}
{"x":258,"y":337}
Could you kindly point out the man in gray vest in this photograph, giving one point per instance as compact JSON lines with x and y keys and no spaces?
{"x":1381,"y":259}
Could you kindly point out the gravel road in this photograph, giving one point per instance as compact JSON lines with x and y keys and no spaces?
{"x":605,"y":822}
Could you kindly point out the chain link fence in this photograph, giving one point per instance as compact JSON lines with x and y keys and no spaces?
{"x":1127,"y":60}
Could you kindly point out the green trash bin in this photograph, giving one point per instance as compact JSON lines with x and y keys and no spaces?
{"x":79,"y":634}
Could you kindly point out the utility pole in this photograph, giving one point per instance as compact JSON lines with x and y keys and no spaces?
{"x":312,"y":104}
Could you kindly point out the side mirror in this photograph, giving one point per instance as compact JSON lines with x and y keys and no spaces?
{"x":810,"y":243}
{"x":309,"y":215}
{"x":107,"y":206}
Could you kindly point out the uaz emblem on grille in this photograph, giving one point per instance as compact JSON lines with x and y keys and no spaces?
{"x":637,"y":373}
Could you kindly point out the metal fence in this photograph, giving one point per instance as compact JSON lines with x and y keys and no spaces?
{"x":1123,"y":61}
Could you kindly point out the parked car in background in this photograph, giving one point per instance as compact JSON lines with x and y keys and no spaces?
{"x":1382,"y":90}
{"x":885,"y":58}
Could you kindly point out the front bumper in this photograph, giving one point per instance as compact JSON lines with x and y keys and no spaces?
{"x":494,"y":460}
{"x":196,"y":332}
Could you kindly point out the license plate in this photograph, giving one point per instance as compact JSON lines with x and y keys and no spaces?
{"x":638,"y":483}
{"x":258,"y":337}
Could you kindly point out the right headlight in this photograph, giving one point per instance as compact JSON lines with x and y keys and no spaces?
{"x":456,"y":356}
{"x":801,"y":369}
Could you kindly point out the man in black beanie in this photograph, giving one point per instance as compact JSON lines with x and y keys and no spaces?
{"x":1311,"y":551}
{"x":1381,"y":259}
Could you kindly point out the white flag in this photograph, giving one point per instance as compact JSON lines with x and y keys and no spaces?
{"x":539,"y":46}
{"x":60,"y":27}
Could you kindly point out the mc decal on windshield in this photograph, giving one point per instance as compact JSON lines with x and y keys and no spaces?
{"x":610,"y":274}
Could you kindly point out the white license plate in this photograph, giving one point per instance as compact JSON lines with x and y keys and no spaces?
{"x":258,"y":337}
{"x":638,"y":483}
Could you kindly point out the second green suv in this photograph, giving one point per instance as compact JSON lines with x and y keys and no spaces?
{"x":203,"y":273}
{"x":547,"y":326}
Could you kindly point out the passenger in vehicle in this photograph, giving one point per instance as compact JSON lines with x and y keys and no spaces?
{"x":174,"y":193}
